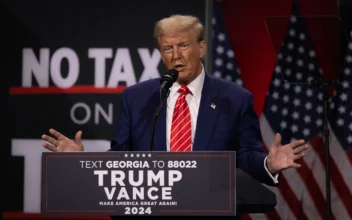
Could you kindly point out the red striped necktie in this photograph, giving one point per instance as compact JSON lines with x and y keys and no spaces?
{"x":181,"y":130}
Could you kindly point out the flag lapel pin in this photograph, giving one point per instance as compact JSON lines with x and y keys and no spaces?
{"x":213,"y":106}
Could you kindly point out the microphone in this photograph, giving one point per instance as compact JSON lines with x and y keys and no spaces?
{"x":166,"y":82}
{"x":168,"y":79}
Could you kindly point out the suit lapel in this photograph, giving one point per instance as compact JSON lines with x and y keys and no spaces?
{"x":207,"y":115}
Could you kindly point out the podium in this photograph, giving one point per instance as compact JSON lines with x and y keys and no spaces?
{"x":149,"y":183}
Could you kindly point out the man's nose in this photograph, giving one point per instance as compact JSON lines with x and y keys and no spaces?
{"x":176,"y":54}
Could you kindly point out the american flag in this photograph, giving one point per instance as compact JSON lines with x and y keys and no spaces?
{"x":223,"y":61}
{"x":340,"y":119}
{"x":294,"y":108}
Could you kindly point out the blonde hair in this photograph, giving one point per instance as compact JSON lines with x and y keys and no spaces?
{"x":178,"y":24}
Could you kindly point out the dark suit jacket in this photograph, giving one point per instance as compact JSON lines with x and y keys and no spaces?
{"x":232,"y":126}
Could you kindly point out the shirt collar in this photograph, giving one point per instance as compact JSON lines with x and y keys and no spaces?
{"x":195,"y":86}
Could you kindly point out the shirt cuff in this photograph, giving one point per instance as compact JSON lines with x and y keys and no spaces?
{"x":275,"y":177}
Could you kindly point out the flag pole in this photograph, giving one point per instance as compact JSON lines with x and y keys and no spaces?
{"x":324,"y":84}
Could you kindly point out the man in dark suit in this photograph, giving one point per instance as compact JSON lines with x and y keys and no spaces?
{"x":202,"y":113}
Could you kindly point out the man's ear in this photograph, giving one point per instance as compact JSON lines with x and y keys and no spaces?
{"x":202,"y":49}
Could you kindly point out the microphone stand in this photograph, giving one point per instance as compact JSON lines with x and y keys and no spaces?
{"x":162,"y":101}
{"x":324,"y":84}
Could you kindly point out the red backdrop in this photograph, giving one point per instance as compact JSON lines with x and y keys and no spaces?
{"x":255,"y":54}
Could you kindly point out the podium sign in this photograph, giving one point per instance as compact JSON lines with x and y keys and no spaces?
{"x":139,"y":183}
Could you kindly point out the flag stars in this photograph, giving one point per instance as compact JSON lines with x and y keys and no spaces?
{"x":218,"y":62}
{"x":312,"y":53}
{"x":342,"y":109}
{"x":310,"y":78}
{"x":347,"y":71}
{"x":224,"y":62}
{"x":294,"y":128}
{"x":350,"y":126}
{"x":301,"y":49}
{"x":309,"y":92}
{"x":284,"y":112}
{"x":278,"y":69}
{"x":307,"y":119}
{"x":275,"y":95}
{"x":276,"y":82}
{"x":293,"y":19}
{"x":349,"y":139}
{"x":299,"y":76}
{"x":343,"y":97}
{"x":221,"y":37}
{"x":300,"y":63}
{"x":319,"y":109}
{"x":302,"y":36}
{"x":349,"y":59}
{"x":217,"y":74}
{"x":292,"y":32}
{"x":311,"y":66}
{"x":229,"y":66}
{"x":273,"y":108}
{"x":239,"y":82}
{"x":286,"y":98}
{"x":295,"y":115}
{"x":287,"y":86}
{"x":288,"y":72}
{"x":228,"y":77}
{"x":289,"y":59}
{"x":306,"y":132}
{"x":296,"y":102}
{"x":345,"y":84}
{"x":283,"y":124}
{"x":320,"y":96}
{"x":319,"y":122}
{"x":332,"y":105}
{"x":298,"y":89}
{"x":290,"y":46}
{"x":219,"y":49}
{"x":230,"y":54}
{"x":340,"y":122}
{"x":308,"y":106}
{"x":238,"y":70}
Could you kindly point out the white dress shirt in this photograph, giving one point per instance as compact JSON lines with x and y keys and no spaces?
{"x":193,"y":100}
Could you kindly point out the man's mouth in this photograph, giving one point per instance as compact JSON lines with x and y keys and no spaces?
{"x":179,"y":67}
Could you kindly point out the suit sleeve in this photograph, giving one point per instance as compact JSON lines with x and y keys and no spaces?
{"x":121,"y":140}
{"x":250,"y":155}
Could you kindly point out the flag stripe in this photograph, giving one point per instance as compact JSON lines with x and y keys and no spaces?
{"x":336,"y":178}
{"x":342,"y":161}
{"x":318,"y":173}
{"x":286,"y":188}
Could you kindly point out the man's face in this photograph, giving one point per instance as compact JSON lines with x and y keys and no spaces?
{"x":182,"y":52}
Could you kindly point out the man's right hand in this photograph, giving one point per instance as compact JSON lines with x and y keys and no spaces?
{"x":61,"y":143}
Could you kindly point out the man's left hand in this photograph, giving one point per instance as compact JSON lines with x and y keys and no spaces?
{"x":284,"y":157}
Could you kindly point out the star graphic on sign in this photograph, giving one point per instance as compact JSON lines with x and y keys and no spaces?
{"x":137,"y":155}
{"x":149,"y":155}
{"x":143,"y":155}
{"x":126,"y":155}
{"x":131,"y":155}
